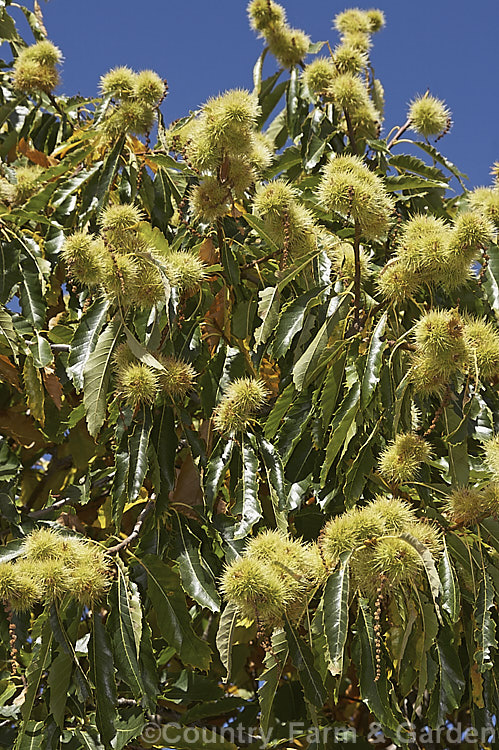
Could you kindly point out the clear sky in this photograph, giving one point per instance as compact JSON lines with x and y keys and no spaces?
{"x":204,"y":47}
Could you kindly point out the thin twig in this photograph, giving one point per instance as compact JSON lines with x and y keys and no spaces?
{"x":399,"y":132}
{"x":220,"y":236}
{"x":57,"y":106}
{"x":136,"y":530}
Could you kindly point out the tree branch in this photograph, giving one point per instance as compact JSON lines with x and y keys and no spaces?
{"x":49,"y":509}
{"x":135,"y":532}
{"x":351,"y":134}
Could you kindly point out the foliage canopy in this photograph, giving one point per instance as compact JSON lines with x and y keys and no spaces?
{"x":248,"y":409}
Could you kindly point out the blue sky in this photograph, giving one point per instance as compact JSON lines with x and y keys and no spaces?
{"x":206,"y":46}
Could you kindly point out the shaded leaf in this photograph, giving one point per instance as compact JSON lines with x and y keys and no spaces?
{"x":197,"y":580}
{"x":485,"y":628}
{"x":305,"y":367}
{"x":102,"y":675}
{"x":291,"y":321}
{"x":450,"y":589}
{"x":376,"y":693}
{"x":340,"y":426}
{"x":124,"y":625}
{"x":163,"y":586}
{"x":446,"y":694}
{"x":335,"y":613}
{"x":225,"y":634}
{"x":275,"y":662}
{"x":138,"y":443}
{"x":303,"y":659}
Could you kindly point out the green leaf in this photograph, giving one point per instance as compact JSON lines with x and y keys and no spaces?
{"x":9,"y":107}
{"x":409,"y":182}
{"x":376,"y":693}
{"x":140,"y":351}
{"x":374,"y":360}
{"x":73,"y":185}
{"x":7,"y":333}
{"x":432,"y":151}
{"x":268,"y":311}
{"x":274,"y":662}
{"x":215,"y":470}
{"x":162,"y":208}
{"x":230,"y":264}
{"x":332,"y":388}
{"x":10,"y":272}
{"x":58,"y":681}
{"x":335,"y":613}
{"x":279,"y":409}
{"x":89,"y":739}
{"x":485,"y":628}
{"x":31,"y":292}
{"x":302,"y":658}
{"x":165,"y":442}
{"x":163,"y":586}
{"x":289,"y":158}
{"x":275,"y":476}
{"x":120,"y":481}
{"x":148,"y":667}
{"x":294,"y":104}
{"x":491,"y":279}
{"x":128,"y":729}
{"x":304,"y":369}
{"x":37,"y":666}
{"x":41,"y":351}
{"x":124,"y":626}
{"x":32,"y":736}
{"x":450,"y":589}
{"x":96,"y":375}
{"x":108,"y":172}
{"x":294,"y":425}
{"x":225,"y":635}
{"x":291,"y":321}
{"x":429,"y":566}
{"x":11,"y":550}
{"x":291,"y":273}
{"x":257,"y":72}
{"x":408,"y":163}
{"x":197,"y":580}
{"x":270,"y":97}
{"x":62,"y":637}
{"x":85,"y":338}
{"x":259,"y":227}
{"x":359,"y":471}
{"x":247,"y":500}
{"x":34,"y":391}
{"x":102,"y":675}
{"x":8,"y":29}
{"x":34,"y":23}
{"x":448,"y":690}
{"x":138,"y":443}
{"x":340,"y":426}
